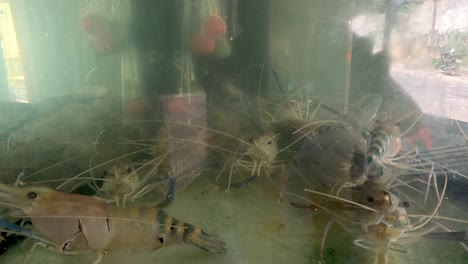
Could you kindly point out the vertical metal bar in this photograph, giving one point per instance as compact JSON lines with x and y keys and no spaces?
{"x":387,"y":26}
{"x":348,"y":60}
{"x":434,"y":15}
{"x":185,"y":74}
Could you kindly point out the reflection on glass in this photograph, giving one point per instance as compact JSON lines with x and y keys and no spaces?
{"x":283,"y":131}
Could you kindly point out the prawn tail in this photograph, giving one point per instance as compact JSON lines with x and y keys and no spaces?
{"x":197,"y":237}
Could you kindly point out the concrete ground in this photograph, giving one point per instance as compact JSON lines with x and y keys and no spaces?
{"x":436,"y":93}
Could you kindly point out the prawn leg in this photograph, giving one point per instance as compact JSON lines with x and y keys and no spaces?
{"x":85,"y":223}
{"x":170,"y":194}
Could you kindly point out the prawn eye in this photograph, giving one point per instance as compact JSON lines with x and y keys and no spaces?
{"x":251,"y":140}
{"x":370,"y":199}
{"x":269,"y":142}
{"x":32,"y":195}
{"x":129,"y":170}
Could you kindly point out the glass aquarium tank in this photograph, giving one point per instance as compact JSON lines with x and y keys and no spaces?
{"x":233,"y":131}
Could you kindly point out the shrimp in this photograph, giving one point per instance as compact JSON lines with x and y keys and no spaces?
{"x":329,"y":154}
{"x":258,"y":158}
{"x":73,"y":224}
{"x":264,"y":152}
{"x":261,"y":154}
{"x":385,"y":144}
{"x":124,"y":184}
{"x":121,"y":182}
{"x":383,"y":226}
{"x":250,"y":145}
{"x":128,"y":178}
{"x":379,"y":221}
{"x":364,"y":145}
{"x":374,"y":217}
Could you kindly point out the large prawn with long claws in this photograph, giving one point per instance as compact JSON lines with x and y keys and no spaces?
{"x":73,"y":223}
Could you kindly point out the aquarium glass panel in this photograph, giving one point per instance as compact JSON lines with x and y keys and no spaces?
{"x":233,"y":131}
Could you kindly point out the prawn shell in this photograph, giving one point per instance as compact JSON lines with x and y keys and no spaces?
{"x":73,"y":223}
{"x":76,"y":220}
{"x":384,"y":232}
{"x":394,"y":147}
{"x":136,"y":227}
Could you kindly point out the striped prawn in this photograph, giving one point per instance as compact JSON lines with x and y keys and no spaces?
{"x":379,"y":221}
{"x":383,"y":139}
{"x":73,"y":224}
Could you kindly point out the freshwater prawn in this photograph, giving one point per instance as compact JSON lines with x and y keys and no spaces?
{"x":73,"y":224}
{"x":378,"y":219}
{"x":275,"y":140}
{"x":123,"y":182}
{"x":371,"y":142}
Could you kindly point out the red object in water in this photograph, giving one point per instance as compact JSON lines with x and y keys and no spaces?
{"x":94,"y":24}
{"x":178,"y":105}
{"x":139,"y":105}
{"x":105,"y":43}
{"x":102,"y":38}
{"x":215,"y":26}
{"x":423,"y":134}
{"x":203,"y":44}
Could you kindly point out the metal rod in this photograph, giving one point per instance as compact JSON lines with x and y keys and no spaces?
{"x":434,"y":15}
